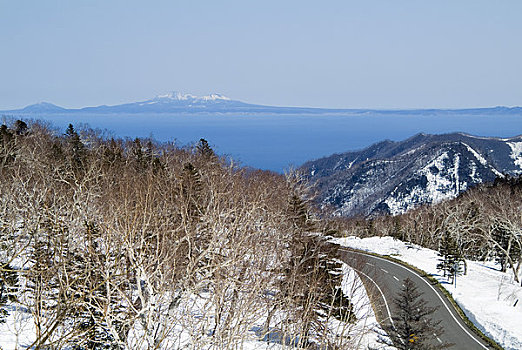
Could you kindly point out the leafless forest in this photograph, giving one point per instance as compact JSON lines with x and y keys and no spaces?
{"x":112,"y":244}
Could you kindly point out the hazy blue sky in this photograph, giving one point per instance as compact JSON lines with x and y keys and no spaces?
{"x":367,"y":53}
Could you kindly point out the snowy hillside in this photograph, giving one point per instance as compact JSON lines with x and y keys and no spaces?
{"x":490,"y":298}
{"x":393,"y":177}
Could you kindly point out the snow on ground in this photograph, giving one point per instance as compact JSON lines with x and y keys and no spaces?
{"x":366,"y":325}
{"x":19,"y":330}
{"x":486,"y":295}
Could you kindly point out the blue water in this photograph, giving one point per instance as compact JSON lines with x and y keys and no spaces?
{"x":276,"y":142}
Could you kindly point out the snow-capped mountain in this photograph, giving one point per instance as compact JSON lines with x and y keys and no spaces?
{"x":176,"y":102}
{"x":393,"y":177}
{"x":179,"y":96}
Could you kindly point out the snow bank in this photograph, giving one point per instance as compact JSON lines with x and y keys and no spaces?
{"x":486,"y":295}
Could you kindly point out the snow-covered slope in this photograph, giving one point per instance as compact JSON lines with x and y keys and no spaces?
{"x":486,"y":295}
{"x":393,"y":177}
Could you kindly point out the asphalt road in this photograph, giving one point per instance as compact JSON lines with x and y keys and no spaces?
{"x":383,"y":278}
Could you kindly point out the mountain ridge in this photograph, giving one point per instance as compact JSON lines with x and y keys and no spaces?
{"x":391,"y":177}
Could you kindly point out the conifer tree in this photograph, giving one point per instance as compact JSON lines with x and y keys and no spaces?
{"x":7,"y":154}
{"x":89,"y":316}
{"x":312,"y":277}
{"x":137,"y":153}
{"x":204,"y":150}
{"x":8,"y":287}
{"x":450,"y":262}
{"x":20,"y":127}
{"x":5,"y":135}
{"x":75,"y":148}
{"x":112,"y":153}
{"x":47,"y":304}
{"x":413,"y":327}
{"x":397,"y":231}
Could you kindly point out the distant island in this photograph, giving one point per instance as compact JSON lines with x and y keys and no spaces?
{"x":177,"y":102}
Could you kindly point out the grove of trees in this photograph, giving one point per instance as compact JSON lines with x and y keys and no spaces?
{"x":129,"y":244}
{"x":483,"y":223}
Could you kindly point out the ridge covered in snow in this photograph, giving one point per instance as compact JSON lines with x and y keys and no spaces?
{"x":394,"y":177}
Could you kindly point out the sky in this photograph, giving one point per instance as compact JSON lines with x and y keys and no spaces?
{"x":332,"y":53}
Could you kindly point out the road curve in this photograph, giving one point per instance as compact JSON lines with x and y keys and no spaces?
{"x":383,"y":278}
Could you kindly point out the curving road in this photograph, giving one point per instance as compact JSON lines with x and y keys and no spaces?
{"x":383,"y":279}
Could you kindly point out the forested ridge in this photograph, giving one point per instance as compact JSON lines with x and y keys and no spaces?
{"x":110,"y":243}
{"x":483,"y":223}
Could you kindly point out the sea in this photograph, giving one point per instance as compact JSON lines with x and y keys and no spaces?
{"x":280,"y":142}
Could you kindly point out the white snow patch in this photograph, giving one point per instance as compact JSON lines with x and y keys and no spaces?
{"x":481,"y":159}
{"x":473,"y":173}
{"x":179,"y":96}
{"x":413,"y":150}
{"x":486,"y":295}
{"x":366,"y":324}
{"x":438,"y":187}
{"x":516,"y":152}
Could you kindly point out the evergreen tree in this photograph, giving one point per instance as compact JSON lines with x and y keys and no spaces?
{"x":43,"y":279}
{"x":5,"y":135}
{"x":112,"y":153}
{"x":204,"y":150}
{"x":451,"y":259}
{"x":76,"y":150}
{"x":90,"y":289}
{"x":413,"y":327}
{"x":192,"y":209}
{"x":8,"y":287}
{"x":370,"y":230}
{"x":312,"y":277}
{"x":7,"y":154}
{"x":397,"y":231}
{"x":20,"y":127}
{"x":143,"y":156}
